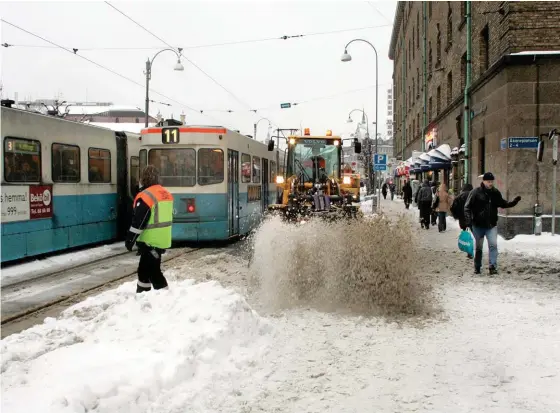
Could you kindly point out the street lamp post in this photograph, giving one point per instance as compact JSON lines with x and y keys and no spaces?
{"x":178,"y":66}
{"x":346,"y":58}
{"x":255,"y":126}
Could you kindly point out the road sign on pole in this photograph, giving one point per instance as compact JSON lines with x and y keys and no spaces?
{"x":285,"y":105}
{"x":380,"y":162}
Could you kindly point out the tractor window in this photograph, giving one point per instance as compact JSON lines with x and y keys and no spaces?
{"x":314,"y":160}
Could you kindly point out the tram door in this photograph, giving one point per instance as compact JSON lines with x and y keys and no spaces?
{"x":265,"y":178}
{"x":233,"y":192}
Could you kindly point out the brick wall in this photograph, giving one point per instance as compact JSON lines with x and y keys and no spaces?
{"x":522,"y":26}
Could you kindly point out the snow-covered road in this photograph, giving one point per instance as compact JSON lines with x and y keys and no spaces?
{"x":492,"y":344}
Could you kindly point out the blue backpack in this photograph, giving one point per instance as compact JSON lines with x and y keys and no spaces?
{"x":466,"y":242}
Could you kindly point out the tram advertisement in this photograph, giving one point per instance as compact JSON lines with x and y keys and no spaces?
{"x":22,"y":203}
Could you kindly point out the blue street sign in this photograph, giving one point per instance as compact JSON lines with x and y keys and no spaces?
{"x":523,"y":143}
{"x":380,"y":159}
{"x":379,"y":167}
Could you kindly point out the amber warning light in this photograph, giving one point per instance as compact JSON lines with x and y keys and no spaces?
{"x":306,"y":132}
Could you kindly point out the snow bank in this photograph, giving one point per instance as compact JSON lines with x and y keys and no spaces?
{"x":34,"y":269}
{"x":543,"y":246}
{"x":124,"y":352}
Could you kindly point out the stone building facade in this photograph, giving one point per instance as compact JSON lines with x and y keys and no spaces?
{"x":514,"y":92}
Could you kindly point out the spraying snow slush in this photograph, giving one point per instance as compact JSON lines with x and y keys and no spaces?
{"x":366,"y":266}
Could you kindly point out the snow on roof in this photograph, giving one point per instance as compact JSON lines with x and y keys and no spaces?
{"x":536,"y":52}
{"x":92,"y":110}
{"x":121,"y":127}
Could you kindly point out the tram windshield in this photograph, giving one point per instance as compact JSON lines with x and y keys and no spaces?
{"x":177,"y":166}
{"x":314,"y":160}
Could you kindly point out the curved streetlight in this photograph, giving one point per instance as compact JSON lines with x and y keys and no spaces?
{"x":347,"y":58}
{"x":255,"y":126}
{"x":178,"y":66}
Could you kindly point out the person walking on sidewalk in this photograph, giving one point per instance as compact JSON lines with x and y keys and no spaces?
{"x":407,"y":194}
{"x":433,"y":213}
{"x":442,"y":207}
{"x":151,"y":229}
{"x":424,"y":201}
{"x":458,"y":208}
{"x":481,"y":215}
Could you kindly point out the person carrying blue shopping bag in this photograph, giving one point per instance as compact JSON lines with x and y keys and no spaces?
{"x":466,"y":242}
{"x":481,"y":216}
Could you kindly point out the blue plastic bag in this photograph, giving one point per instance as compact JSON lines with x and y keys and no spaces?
{"x":466,"y":242}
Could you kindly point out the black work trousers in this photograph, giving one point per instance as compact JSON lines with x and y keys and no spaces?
{"x":425,"y":212}
{"x":149,"y":271}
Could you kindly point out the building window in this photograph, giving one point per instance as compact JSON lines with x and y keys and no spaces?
{"x":177,"y":166}
{"x":463,"y":14}
{"x":429,"y":60}
{"x":430,"y":9}
{"x":99,"y":165}
{"x":22,"y":160}
{"x":438,"y":47}
{"x":417,"y":83}
{"x":418,"y":30}
{"x":484,"y":45}
{"x":481,"y":155}
{"x":430,"y":109}
{"x":65,"y":163}
{"x":413,"y":86}
{"x":463,"y":71}
{"x":438,"y":101}
{"x":413,"y":127}
{"x":418,"y":125}
{"x":245,"y":168}
{"x":413,"y":43}
{"x":449,"y":25}
{"x":449,"y":88}
{"x":210,"y":166}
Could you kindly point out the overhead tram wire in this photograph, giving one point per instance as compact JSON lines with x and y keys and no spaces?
{"x":187,"y":59}
{"x":205,"y":46}
{"x":73,"y":51}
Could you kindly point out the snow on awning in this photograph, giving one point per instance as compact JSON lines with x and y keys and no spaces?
{"x":536,"y":52}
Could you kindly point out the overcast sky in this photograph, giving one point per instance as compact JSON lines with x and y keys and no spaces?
{"x":259,"y":74}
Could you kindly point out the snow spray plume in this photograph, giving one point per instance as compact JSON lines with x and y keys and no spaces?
{"x":367,"y":266}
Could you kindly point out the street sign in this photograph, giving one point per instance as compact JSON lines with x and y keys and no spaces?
{"x":503,"y":144}
{"x":379,"y":167}
{"x":285,"y":105}
{"x":523,"y":143}
{"x":380,"y":159}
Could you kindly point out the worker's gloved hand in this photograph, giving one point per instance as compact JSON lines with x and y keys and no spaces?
{"x":517,"y":198}
{"x":128,"y":244}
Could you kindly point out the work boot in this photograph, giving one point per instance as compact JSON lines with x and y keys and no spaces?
{"x":477,"y":271}
{"x":492,"y":270}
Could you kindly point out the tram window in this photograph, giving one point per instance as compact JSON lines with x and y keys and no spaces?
{"x":22,"y":160}
{"x":256,"y":170}
{"x":177,"y":167}
{"x":245,"y":168}
{"x":272,"y":172}
{"x":134,"y":172}
{"x":210,"y":166}
{"x":65,"y":163}
{"x":99,"y":166}
{"x":143,"y":159}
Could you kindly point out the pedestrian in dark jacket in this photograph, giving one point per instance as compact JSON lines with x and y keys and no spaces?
{"x":384,"y":190}
{"x":481,"y":216}
{"x":433,"y":213}
{"x":407,"y":194}
{"x":424,"y":201}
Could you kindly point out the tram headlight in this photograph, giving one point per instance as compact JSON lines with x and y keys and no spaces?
{"x":346,"y":180}
{"x":279,"y":179}
{"x":292,"y":141}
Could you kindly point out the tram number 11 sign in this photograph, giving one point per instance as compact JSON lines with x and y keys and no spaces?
{"x":170,"y":135}
{"x":25,"y":202}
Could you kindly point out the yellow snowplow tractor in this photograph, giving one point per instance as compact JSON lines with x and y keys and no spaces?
{"x":313,"y":183}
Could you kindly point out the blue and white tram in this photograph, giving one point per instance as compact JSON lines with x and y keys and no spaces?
{"x":64,"y":184}
{"x":221,"y":181}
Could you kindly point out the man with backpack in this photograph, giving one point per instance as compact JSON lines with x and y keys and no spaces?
{"x":481,"y":215}
{"x":424,"y":201}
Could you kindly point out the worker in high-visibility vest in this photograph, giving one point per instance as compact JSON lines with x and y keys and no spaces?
{"x":151,"y":229}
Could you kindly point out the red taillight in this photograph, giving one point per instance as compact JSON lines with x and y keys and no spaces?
{"x":191,"y":205}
